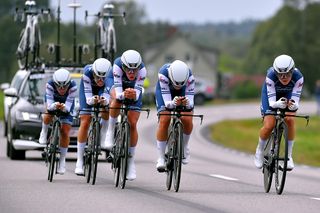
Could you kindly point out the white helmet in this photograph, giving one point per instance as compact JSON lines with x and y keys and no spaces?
{"x":131,"y":59}
{"x":61,"y":77}
{"x":178,"y":73}
{"x":283,"y":64}
{"x":101,"y":66}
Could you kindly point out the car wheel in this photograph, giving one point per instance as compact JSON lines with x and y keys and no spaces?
{"x":11,"y":151}
{"x":199,"y":99}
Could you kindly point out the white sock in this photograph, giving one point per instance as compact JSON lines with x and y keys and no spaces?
{"x":112,"y":122}
{"x":63,"y":153}
{"x":261,"y":144}
{"x":161,"y":147}
{"x":80,"y":152}
{"x":132,"y":151}
{"x":104,"y":123}
{"x":186,"y":139}
{"x":45,"y":128}
{"x":290,"y":146}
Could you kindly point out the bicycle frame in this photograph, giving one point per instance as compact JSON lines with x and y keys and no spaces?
{"x":174,"y":152}
{"x":120,"y":151}
{"x":276,"y":152}
{"x":30,"y":40}
{"x":106,"y":35}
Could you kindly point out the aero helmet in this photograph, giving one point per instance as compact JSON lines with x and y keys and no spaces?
{"x":178,"y":73}
{"x":131,"y":59}
{"x":61,"y":77}
{"x":283,"y":64}
{"x":101,"y":66}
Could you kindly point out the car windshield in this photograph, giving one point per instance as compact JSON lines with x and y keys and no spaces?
{"x":34,"y":87}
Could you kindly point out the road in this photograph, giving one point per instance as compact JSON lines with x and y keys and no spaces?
{"x":217,"y":179}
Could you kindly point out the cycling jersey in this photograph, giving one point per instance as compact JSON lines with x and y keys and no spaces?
{"x":119,"y":81}
{"x":166,"y":92}
{"x":89,"y":88}
{"x":273,"y":89}
{"x":52,"y":95}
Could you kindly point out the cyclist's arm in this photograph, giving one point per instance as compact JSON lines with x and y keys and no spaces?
{"x":70,"y":98}
{"x":297,"y":90}
{"x":165,"y":90}
{"x":49,"y":94}
{"x":87,"y":88}
{"x":140,"y":80}
{"x":271,"y":91}
{"x":117,"y":77}
{"x":190,"y":91}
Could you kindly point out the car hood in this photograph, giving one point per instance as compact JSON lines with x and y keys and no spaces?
{"x":28,"y":106}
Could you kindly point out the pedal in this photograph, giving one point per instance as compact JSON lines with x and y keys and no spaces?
{"x":161,"y":170}
{"x":109,"y":159}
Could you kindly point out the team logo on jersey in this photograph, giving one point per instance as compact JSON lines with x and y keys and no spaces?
{"x":163,"y":80}
{"x":300,"y":84}
{"x":141,"y":78}
{"x":116,"y":75}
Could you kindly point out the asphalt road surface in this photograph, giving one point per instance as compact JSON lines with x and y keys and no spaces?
{"x":216,"y":179}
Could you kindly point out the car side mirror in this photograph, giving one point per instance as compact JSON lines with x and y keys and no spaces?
{"x":11,"y":92}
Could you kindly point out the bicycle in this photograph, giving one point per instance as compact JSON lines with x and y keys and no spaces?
{"x":174,"y":152}
{"x":93,"y":149}
{"x":51,"y":150}
{"x":276,"y":152}
{"x":120,"y":151}
{"x":30,"y":37}
{"x":105,"y":37}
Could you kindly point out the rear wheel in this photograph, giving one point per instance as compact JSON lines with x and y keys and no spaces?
{"x":88,"y":156}
{"x":281,"y":152}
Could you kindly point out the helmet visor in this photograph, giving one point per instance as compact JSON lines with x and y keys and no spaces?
{"x":129,"y":70}
{"x":62,"y":85}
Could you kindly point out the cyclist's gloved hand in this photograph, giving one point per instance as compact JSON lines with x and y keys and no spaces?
{"x":292,"y":105}
{"x":185,"y":101}
{"x":104,"y":101}
{"x":53,"y":106}
{"x":170,"y":104}
{"x":93,"y":100}
{"x":281,"y":103}
{"x":176,"y":100}
{"x":63,"y":108}
{"x":120,"y":96}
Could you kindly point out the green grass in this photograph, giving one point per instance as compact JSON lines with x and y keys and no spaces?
{"x":243,"y":135}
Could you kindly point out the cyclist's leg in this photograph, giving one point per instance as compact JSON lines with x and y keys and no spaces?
{"x":85,"y":119}
{"x":187,"y":129}
{"x":162,"y":131}
{"x":66,"y":122}
{"x":291,"y":135}
{"x":113,"y":114}
{"x":46,"y":120}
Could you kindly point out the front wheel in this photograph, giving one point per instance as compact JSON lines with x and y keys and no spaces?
{"x":124,"y":154}
{"x":96,"y":151}
{"x":53,"y":152}
{"x":281,"y":152}
{"x":268,"y":164}
{"x":177,"y":150}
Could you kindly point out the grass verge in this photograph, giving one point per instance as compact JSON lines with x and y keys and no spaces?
{"x":243,"y":135}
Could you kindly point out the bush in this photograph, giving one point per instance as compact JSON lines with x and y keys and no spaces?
{"x":246,"y":90}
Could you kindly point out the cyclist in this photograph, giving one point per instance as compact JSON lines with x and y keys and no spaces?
{"x":175,"y":87}
{"x":282,"y":89}
{"x":92,"y":91}
{"x":60,"y":94}
{"x":126,"y":82}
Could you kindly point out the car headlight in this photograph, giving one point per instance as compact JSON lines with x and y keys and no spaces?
{"x":27,"y":116}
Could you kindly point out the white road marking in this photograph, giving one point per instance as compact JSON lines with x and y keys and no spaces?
{"x":223,"y":177}
{"x":315,"y":198}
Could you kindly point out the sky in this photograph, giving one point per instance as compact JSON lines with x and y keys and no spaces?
{"x":181,"y":11}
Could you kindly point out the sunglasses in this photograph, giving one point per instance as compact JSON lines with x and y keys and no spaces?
{"x":62,"y":87}
{"x":284,"y":75}
{"x":97,"y":78}
{"x":129,"y":70}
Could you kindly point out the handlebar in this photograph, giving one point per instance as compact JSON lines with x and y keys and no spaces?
{"x":282,"y":113}
{"x":177,"y":113}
